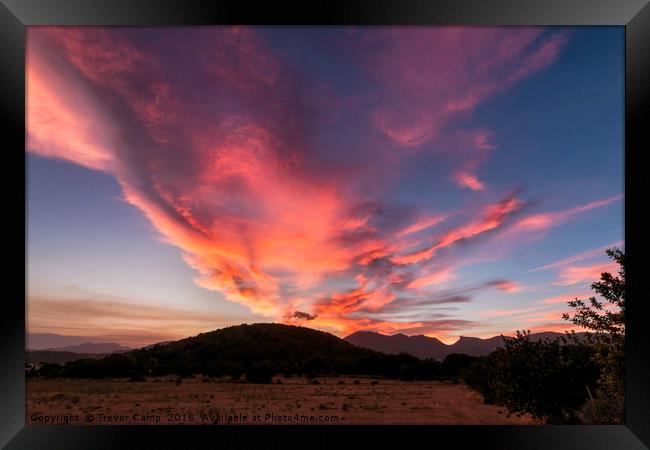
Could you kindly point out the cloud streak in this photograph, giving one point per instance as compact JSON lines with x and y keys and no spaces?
{"x":578,"y":274}
{"x":600,"y":251}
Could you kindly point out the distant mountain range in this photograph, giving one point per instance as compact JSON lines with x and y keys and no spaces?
{"x":42,"y":341}
{"x":73,"y":344}
{"x":92,"y":347}
{"x":429,"y":347}
{"x":63,"y":355}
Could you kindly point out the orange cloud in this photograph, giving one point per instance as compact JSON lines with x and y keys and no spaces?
{"x":62,"y":121}
{"x":558,"y":327}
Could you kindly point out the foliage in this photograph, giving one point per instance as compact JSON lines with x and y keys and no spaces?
{"x":603,"y":409}
{"x":455,"y":366}
{"x":259,"y":373}
{"x":605,"y":319}
{"x":259,"y":351}
{"x":49,"y":370}
{"x":565,"y":380}
{"x":545,"y":379}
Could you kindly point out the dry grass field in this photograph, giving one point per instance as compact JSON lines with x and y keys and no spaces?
{"x":286,"y":401}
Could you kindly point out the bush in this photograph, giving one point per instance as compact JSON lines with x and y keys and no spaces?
{"x":479,"y":377}
{"x":604,"y":317}
{"x":455,"y":365}
{"x":313,"y":367}
{"x":136,"y":377}
{"x":259,"y":374}
{"x":544,"y":379}
{"x":603,"y":410}
{"x":50,"y":370}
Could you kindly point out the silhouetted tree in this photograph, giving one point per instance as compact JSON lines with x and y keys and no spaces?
{"x":455,"y":365}
{"x":604,"y":317}
{"x":544,"y":379}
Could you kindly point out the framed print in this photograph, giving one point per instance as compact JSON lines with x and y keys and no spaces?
{"x":253,"y":223}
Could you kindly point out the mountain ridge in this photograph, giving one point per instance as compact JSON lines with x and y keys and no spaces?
{"x":423,"y":346}
{"x":91,"y":347}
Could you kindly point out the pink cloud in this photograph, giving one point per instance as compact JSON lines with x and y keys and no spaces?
{"x":564,"y":298}
{"x":468,"y":180}
{"x":552,"y":219}
{"x":506,"y":286}
{"x":508,"y":312}
{"x":492,"y":218}
{"x":421,"y":225}
{"x":432,"y":78}
{"x":433,"y":278}
{"x":578,"y":274}
{"x":474,"y":147}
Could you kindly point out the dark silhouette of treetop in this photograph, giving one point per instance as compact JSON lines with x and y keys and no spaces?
{"x":592,"y":314}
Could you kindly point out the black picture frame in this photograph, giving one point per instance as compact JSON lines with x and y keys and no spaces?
{"x":634,"y":15}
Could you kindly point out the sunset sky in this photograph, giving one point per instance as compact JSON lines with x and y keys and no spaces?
{"x":444,"y":181}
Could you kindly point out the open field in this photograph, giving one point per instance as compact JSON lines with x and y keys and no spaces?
{"x":286,"y":401}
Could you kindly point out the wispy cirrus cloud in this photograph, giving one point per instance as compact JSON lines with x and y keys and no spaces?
{"x":493,"y":217}
{"x":578,"y":274}
{"x":600,"y":251}
{"x":565,"y":298}
{"x":546,"y":220}
{"x":505,"y":285}
{"x":437,"y":76}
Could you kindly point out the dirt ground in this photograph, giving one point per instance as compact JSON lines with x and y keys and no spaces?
{"x":286,"y":402}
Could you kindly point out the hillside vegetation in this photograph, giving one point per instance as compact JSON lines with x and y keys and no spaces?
{"x":255,"y":352}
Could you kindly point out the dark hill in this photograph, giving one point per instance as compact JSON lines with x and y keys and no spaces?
{"x":238,"y":350}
